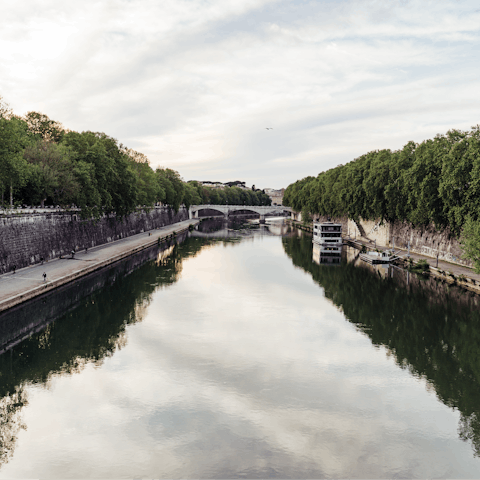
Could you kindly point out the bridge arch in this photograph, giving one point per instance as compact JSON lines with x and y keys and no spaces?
{"x":227,"y":209}
{"x":207,"y":207}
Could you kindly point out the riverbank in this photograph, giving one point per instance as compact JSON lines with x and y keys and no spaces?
{"x":448,"y":272}
{"x":28,"y":282}
{"x":451,"y":273}
{"x":27,"y":237}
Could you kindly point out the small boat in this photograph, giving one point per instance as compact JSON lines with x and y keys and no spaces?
{"x":375,"y":258}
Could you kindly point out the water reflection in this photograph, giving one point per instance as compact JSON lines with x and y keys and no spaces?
{"x":39,"y":340}
{"x":217,"y":358}
{"x":241,"y":228}
{"x":431,"y":328}
{"x":327,"y":255}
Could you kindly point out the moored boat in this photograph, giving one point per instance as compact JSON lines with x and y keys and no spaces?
{"x":328,"y":235}
{"x":375,"y":258}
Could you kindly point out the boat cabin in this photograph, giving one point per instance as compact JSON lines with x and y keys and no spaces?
{"x":327,"y":233}
{"x":375,"y":258}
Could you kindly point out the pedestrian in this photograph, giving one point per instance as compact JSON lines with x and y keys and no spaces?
{"x":44,"y":277}
{"x":14,"y":267}
{"x":73,"y":253}
{"x":41,"y":260}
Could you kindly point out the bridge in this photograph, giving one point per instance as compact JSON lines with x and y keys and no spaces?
{"x":226,"y":210}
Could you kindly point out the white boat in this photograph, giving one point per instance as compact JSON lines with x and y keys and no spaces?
{"x":328,"y":235}
{"x":375,"y":258}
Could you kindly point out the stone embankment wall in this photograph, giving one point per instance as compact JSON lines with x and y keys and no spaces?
{"x":373,"y":231}
{"x":21,"y":321}
{"x":425,"y":241}
{"x":27,"y":238}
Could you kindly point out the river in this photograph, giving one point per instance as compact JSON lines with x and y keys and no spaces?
{"x":233,"y":353}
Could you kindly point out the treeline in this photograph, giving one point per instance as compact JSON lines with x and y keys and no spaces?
{"x":42,"y":163}
{"x":436,"y":181}
{"x":230,"y":195}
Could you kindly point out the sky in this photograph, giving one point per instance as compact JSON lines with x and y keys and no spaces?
{"x":194,"y":84}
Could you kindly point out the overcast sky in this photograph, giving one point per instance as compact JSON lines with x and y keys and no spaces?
{"x":194,"y":84}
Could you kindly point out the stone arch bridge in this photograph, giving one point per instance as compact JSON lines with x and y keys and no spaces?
{"x":226,"y":210}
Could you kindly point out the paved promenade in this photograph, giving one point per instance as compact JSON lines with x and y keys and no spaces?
{"x":28,"y":282}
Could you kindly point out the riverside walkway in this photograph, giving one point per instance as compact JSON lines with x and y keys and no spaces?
{"x":29,"y":282}
{"x":449,"y":272}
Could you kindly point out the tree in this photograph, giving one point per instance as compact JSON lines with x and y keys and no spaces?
{"x":13,"y":167}
{"x":5,"y":110}
{"x":173,"y":185}
{"x":115,"y":180}
{"x":470,"y":241}
{"x":147,"y":186}
{"x":40,"y":126}
{"x":51,"y":173}
{"x":191,"y":196}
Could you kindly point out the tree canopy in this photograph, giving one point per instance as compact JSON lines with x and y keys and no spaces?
{"x":436,"y":181}
{"x":42,"y":163}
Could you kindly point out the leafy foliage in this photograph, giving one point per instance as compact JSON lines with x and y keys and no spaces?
{"x":436,"y":181}
{"x":470,"y":240}
{"x":43,"y":163}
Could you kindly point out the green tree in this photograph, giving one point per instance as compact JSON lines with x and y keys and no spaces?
{"x":13,"y":167}
{"x":191,"y":196}
{"x":146,"y":181}
{"x":115,"y":181}
{"x":173,"y":185}
{"x":51,"y":174}
{"x":470,"y":241}
{"x":41,"y":127}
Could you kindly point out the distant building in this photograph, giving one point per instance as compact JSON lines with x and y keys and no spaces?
{"x":275,"y":195}
{"x":213,"y":185}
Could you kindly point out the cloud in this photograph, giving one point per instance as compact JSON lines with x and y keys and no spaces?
{"x":193,"y":84}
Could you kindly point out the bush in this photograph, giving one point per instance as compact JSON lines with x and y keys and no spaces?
{"x":422,"y":266}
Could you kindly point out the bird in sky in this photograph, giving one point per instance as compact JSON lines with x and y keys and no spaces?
{"x":269,"y":128}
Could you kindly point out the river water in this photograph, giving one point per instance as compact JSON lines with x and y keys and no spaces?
{"x":235,"y":353}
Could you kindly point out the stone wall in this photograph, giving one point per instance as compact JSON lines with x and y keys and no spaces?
{"x":27,"y":238}
{"x":430,"y":242}
{"x":425,"y":240}
{"x":374,"y":231}
{"x":21,"y":321}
